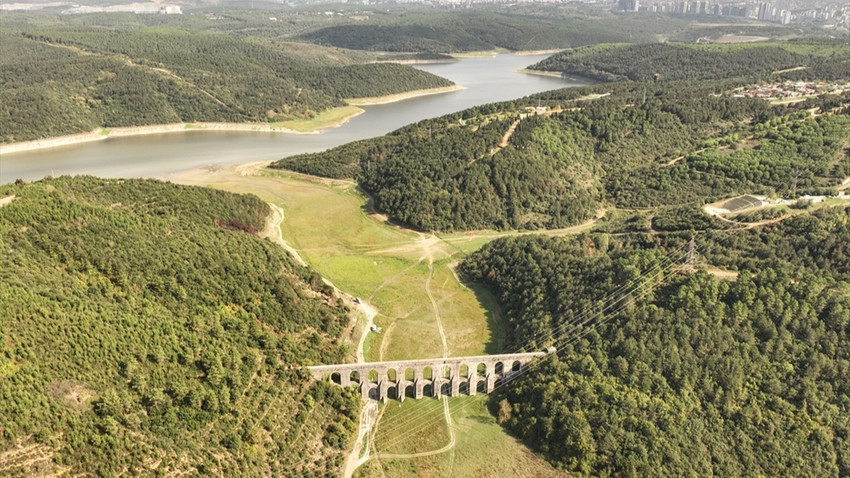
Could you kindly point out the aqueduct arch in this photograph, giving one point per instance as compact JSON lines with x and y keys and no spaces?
{"x":409,"y":378}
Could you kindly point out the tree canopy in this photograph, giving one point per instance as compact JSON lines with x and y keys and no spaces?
{"x":144,"y":326}
{"x":62,"y":79}
{"x":807,"y":58}
{"x":695,"y":375}
{"x":553,"y":159}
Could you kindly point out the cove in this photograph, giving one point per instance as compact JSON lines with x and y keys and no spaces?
{"x":486,"y":80}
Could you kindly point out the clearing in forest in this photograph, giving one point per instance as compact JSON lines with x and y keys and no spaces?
{"x":408,"y":277}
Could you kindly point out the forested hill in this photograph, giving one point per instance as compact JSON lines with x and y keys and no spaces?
{"x":515,"y":28}
{"x":702,"y":376}
{"x":554,"y":159}
{"x":145,"y":329}
{"x":809,"y":59}
{"x":62,"y":79}
{"x":439,"y":32}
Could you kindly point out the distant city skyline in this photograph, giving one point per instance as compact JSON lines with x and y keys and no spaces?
{"x":823,"y":13}
{"x":783,"y":12}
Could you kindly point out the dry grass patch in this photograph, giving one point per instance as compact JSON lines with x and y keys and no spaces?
{"x":482,"y":449}
{"x":329,"y":118}
{"x":74,"y":395}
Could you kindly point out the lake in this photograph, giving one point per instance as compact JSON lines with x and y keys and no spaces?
{"x":486,"y":80}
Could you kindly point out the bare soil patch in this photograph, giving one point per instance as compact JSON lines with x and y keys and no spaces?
{"x":740,"y":39}
{"x":721,"y":273}
{"x":72,"y":394}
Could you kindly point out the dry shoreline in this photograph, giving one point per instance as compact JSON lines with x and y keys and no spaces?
{"x":476,"y":54}
{"x":104,"y":133}
{"x":539,"y":52}
{"x":553,"y":74}
{"x":380,"y":100}
{"x":420,"y":62}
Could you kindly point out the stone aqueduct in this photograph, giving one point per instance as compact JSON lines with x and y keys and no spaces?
{"x":430,"y":377}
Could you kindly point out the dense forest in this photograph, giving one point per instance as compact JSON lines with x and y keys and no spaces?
{"x":523,"y":27}
{"x":554,"y":159}
{"x":69,"y":79}
{"x":816,"y":59}
{"x":526,"y":26}
{"x":438,"y":32}
{"x":145,"y":328}
{"x":689,"y":374}
{"x":458,"y":177}
{"x":787,"y":155}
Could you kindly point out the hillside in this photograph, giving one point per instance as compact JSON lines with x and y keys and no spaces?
{"x":145,"y":328}
{"x":684,"y":374}
{"x":61,"y":79}
{"x":515,"y":27}
{"x":438,"y":32}
{"x":553,"y":159}
{"x":810,"y":59}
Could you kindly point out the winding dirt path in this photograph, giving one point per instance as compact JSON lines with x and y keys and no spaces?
{"x":274,"y":232}
{"x":506,"y":139}
{"x":370,"y":312}
{"x":369,"y":419}
{"x":427,"y":243}
{"x":369,"y":412}
{"x":673,"y":161}
{"x":752,"y":225}
{"x":436,"y":309}
{"x":175,"y":76}
{"x":364,"y":440}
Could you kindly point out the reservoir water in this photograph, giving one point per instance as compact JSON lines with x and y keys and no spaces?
{"x":486,"y":80}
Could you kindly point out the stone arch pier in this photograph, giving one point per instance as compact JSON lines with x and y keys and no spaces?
{"x":413,"y":378}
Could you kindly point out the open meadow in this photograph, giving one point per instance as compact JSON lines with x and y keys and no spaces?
{"x":408,"y":277}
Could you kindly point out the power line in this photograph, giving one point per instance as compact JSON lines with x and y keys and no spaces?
{"x":609,"y":311}
{"x":571,"y":331}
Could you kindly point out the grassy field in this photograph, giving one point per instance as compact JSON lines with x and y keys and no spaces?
{"x":327,"y":223}
{"x":409,"y":278}
{"x":326,"y":119}
{"x":481,"y":448}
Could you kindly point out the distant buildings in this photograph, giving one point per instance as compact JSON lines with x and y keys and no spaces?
{"x":791,"y":89}
{"x":138,"y":8}
{"x":783,"y":12}
{"x":629,"y":5}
